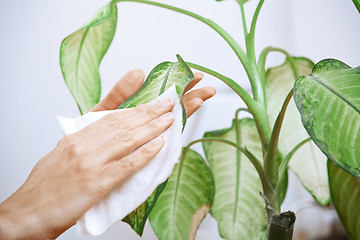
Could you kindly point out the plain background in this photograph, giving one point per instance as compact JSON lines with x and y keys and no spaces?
{"x":33,"y":91}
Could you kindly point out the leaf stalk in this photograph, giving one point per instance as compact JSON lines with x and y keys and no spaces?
{"x":255,"y":161}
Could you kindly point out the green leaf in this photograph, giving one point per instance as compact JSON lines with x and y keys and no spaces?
{"x":345,"y":194}
{"x":329,"y":103}
{"x":138,"y":217}
{"x":185,"y":201}
{"x":238,"y":207}
{"x":308,"y":163}
{"x":162,"y":77}
{"x":357,"y":4}
{"x":81,"y":54}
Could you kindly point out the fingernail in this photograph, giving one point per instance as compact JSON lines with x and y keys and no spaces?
{"x":158,"y":140}
{"x":165,"y":103}
{"x":199,"y":74}
{"x":167,"y":117}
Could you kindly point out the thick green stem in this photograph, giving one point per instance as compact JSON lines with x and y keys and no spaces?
{"x":257,"y":110}
{"x":257,"y":84}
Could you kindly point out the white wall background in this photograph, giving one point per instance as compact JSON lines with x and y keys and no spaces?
{"x":33,"y":91}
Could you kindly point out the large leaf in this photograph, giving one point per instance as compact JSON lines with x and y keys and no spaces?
{"x":345,"y":194}
{"x":238,"y":207}
{"x":185,"y":201}
{"x":81,"y":54}
{"x":329,"y":103}
{"x":308,"y":163}
{"x":159,"y":80}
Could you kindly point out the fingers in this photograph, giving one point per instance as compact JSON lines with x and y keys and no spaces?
{"x":123,"y":89}
{"x":197,"y":78}
{"x":129,"y":119}
{"x":194,"y":99}
{"x":149,"y":111}
{"x":120,"y":170}
{"x":124,"y":143}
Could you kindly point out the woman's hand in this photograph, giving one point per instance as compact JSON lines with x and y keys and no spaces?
{"x":85,"y":165}
{"x":133,"y":80}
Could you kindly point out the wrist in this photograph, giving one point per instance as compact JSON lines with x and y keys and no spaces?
{"x":17,"y":220}
{"x":8,"y":228}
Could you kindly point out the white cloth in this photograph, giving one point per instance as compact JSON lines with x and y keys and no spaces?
{"x":126,"y":197}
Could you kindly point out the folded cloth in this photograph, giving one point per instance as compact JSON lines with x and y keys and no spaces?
{"x":127,"y":196}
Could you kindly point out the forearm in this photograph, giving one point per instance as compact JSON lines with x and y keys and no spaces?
{"x":18,"y":220}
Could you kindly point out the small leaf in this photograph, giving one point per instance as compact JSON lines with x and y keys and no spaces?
{"x":185,"y":201}
{"x":162,"y":77}
{"x":345,"y":194}
{"x":81,"y":54}
{"x":308,"y":163}
{"x":238,"y":206}
{"x":329,"y":103}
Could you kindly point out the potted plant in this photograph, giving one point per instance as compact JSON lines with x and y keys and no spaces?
{"x":254,"y":154}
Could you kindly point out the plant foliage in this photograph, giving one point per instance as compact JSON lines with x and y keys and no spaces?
{"x":186,"y":199}
{"x":251,"y":156}
{"x":335,"y":129}
{"x":81,"y":54}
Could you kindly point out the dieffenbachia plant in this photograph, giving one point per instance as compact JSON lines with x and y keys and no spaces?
{"x":254,"y":154}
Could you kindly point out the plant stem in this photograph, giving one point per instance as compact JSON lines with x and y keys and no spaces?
{"x":255,"y":162}
{"x":241,"y":109}
{"x":281,"y":226}
{"x":257,"y":83}
{"x":265,"y":53}
{"x":251,"y":37}
{"x":243,"y":18}
{"x":285,"y":162}
{"x":238,"y":164}
{"x":233,"y":44}
{"x":249,"y":101}
{"x":256,"y":109}
{"x":249,"y":65}
{"x":272,"y":157}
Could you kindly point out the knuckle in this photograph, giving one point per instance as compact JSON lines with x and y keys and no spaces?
{"x":84,"y":165}
{"x":139,"y":109}
{"x":104,"y":185}
{"x":127,"y":164}
{"x":198,"y":103}
{"x":111,"y":117}
{"x":156,"y":123}
{"x":73,"y":146}
{"x":148,"y":109}
{"x":127,"y":139}
{"x":114,"y":121}
{"x":147,"y":150}
{"x":74,"y":149}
